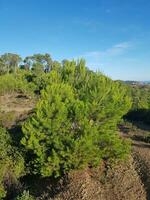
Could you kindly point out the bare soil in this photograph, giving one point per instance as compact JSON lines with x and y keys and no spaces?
{"x":16,"y":102}
{"x":15,"y":107}
{"x":119,"y":183}
{"x":140,"y":152}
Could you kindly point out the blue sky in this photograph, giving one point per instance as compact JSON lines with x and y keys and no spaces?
{"x":112,"y":35}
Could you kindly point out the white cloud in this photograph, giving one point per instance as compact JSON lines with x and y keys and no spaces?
{"x":123,"y":45}
{"x":115,"y":50}
{"x":102,"y":59}
{"x":93,"y":54}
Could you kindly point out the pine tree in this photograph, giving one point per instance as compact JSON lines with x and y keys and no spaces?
{"x":75,"y":124}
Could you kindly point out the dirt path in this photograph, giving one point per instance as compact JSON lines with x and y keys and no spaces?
{"x":141,"y":154}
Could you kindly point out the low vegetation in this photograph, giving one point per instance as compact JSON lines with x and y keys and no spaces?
{"x":11,"y":163}
{"x":141,"y":104}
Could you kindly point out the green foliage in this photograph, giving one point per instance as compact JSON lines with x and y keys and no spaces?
{"x":10,"y":62}
{"x":45,"y":79}
{"x":75,"y":121}
{"x":11,"y":162}
{"x":25,"y":196}
{"x":140,"y":110}
{"x":11,"y":83}
{"x":37,"y":68}
{"x":39,"y":62}
{"x":3,"y":68}
{"x":62,"y":131}
{"x":141,"y":97}
{"x":7,"y":118}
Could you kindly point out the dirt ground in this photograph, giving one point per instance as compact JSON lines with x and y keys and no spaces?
{"x":16,"y":102}
{"x":15,"y":107}
{"x":120,"y":183}
{"x":140,"y":152}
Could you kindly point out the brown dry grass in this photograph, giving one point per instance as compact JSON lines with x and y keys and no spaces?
{"x":119,"y":183}
{"x":14,"y":107}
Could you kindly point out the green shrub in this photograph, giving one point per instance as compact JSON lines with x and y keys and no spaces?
{"x":10,"y":83}
{"x":11,"y":162}
{"x":141,"y":97}
{"x":25,"y":196}
{"x":140,"y":110}
{"x":45,"y":79}
{"x":75,"y":122}
{"x":64,"y":132}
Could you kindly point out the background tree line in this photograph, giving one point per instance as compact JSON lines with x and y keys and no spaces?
{"x":140,"y":110}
